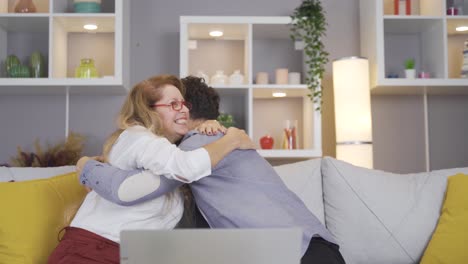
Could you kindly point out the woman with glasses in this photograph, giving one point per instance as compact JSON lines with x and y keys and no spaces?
{"x":153,"y":117}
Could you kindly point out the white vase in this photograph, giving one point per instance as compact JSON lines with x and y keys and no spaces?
{"x":410,"y":73}
{"x":201,"y":74}
{"x":219,"y":78}
{"x":236,"y":78}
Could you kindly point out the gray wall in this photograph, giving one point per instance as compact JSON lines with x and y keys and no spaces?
{"x":154,"y":49}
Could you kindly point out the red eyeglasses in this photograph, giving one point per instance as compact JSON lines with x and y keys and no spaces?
{"x":176,"y":105}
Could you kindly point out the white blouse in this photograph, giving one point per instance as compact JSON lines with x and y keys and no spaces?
{"x":135,"y":148}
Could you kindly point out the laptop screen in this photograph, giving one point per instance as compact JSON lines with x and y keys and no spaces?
{"x":205,"y":246}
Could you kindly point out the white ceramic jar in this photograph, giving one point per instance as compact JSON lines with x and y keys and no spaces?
{"x":219,"y":78}
{"x":294,"y":78}
{"x":236,"y":78}
{"x":201,"y":74}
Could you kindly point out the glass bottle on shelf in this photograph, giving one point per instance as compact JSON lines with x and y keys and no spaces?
{"x":86,"y":69}
{"x":36,"y":62}
{"x":290,"y":135}
{"x":25,"y":6}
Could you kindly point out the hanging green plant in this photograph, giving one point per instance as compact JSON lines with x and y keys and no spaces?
{"x":309,"y":25}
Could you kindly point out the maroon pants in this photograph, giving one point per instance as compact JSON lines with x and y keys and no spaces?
{"x":81,"y":246}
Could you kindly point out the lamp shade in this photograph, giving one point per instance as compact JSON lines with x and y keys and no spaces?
{"x":353,"y":120}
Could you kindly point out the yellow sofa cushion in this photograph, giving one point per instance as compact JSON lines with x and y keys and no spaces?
{"x":31,"y":215}
{"x":450,"y":239}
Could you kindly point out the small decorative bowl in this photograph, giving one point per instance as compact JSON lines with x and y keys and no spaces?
{"x":87,"y":7}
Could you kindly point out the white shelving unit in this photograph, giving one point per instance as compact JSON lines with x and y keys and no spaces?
{"x":252,"y":45}
{"x":427,"y":35}
{"x":58,"y":34}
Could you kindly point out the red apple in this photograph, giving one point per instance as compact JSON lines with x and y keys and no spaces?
{"x":266,"y":142}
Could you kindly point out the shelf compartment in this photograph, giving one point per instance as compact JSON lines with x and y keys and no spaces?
{"x":21,"y":36}
{"x":234,"y":101}
{"x":71,"y":43}
{"x":455,"y":45}
{"x":66,"y":6}
{"x":460,"y":7}
{"x":227,"y":53}
{"x":414,"y":38}
{"x":294,"y":106}
{"x":418,"y":7}
{"x":274,"y":39}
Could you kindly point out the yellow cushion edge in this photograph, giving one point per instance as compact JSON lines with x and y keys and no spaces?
{"x":449,"y":240}
{"x":32,"y":214}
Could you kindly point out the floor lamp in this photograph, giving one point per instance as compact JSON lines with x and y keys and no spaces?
{"x":353,"y":121}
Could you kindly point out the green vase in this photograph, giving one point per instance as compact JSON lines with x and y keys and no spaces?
{"x":86,"y":69}
{"x":36,"y":62}
{"x":10,"y":62}
{"x":20,"y":71}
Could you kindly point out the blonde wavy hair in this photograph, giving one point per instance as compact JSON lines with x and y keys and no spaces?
{"x":137,"y":109}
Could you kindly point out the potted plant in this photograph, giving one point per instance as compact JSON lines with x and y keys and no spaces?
{"x":309,"y":25}
{"x":410,"y":72}
{"x":226,"y":120}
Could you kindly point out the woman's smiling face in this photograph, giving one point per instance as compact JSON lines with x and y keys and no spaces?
{"x":174,"y":122}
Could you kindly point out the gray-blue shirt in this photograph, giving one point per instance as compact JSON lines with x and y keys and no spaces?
{"x":244,"y":191}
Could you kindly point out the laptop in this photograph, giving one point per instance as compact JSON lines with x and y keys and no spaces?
{"x":210,"y":246}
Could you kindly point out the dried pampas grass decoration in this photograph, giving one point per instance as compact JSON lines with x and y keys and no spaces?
{"x":61,"y":154}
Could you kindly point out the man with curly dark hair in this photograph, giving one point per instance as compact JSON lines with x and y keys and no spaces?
{"x":243,"y":191}
{"x":204,"y":99}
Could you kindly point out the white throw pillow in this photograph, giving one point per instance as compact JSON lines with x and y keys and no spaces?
{"x":305,"y":179}
{"x":381,"y":217}
{"x":5,"y":174}
{"x":29,"y":173}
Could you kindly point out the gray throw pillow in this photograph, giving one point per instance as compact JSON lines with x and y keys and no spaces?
{"x":381,"y":217}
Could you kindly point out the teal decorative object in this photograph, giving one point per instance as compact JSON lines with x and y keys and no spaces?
{"x":87,"y":7}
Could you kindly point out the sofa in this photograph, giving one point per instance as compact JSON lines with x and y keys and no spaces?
{"x":376,"y":216}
